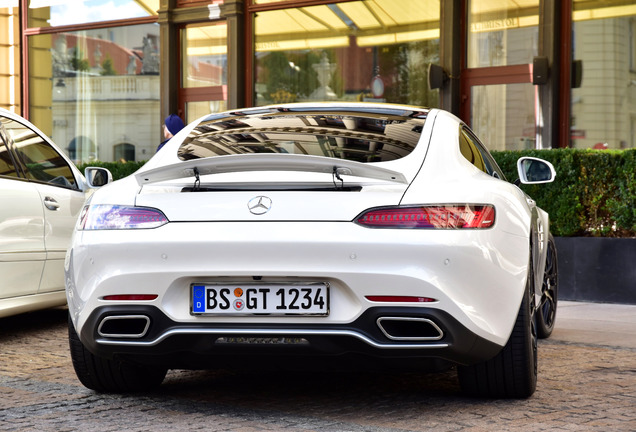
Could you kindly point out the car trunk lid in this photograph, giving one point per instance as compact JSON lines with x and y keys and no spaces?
{"x":266,"y":187}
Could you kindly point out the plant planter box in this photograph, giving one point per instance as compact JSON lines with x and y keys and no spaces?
{"x":597,"y":269}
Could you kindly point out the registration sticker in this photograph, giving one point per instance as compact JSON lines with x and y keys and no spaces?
{"x":261,"y":299}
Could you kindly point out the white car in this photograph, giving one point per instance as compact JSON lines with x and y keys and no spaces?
{"x":333,"y":235}
{"x":42,"y":194}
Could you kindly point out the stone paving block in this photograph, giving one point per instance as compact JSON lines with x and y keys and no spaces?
{"x":582,"y":387}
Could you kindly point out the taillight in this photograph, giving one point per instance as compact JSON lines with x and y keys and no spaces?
{"x":430,"y":216}
{"x":112,"y":217}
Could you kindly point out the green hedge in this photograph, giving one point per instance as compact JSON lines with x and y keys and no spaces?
{"x":118,"y":169}
{"x":594,"y":193}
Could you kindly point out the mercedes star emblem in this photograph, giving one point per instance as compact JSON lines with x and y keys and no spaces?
{"x":259,"y":205}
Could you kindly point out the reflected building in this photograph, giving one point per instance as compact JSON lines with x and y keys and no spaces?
{"x":99,"y":76}
{"x":102,"y":92}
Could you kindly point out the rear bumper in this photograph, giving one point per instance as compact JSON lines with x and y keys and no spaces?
{"x":427,"y":334}
{"x":476,"y":276}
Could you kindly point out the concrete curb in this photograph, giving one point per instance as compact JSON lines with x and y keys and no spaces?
{"x":595,"y":324}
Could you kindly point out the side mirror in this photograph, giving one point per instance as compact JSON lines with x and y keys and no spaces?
{"x":97,"y":177}
{"x":535,"y":171}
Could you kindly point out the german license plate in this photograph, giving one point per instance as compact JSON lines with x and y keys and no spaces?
{"x":270,"y":299}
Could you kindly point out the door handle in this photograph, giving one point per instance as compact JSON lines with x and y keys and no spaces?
{"x":51,"y":203}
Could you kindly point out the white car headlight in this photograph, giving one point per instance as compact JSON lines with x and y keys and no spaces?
{"x":114,"y":217}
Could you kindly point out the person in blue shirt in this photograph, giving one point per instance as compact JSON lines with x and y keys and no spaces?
{"x":171,"y":126}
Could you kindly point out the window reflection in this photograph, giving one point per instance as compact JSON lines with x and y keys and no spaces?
{"x":205,"y":55}
{"x":604,"y":39}
{"x":41,"y":160}
{"x":93,"y":90}
{"x":372,"y":50}
{"x":502,"y":34}
{"x":45,"y":13}
{"x":7,"y":167}
{"x":204,"y":67}
{"x":356,"y":136}
{"x":503,"y":116}
{"x":195,"y":110}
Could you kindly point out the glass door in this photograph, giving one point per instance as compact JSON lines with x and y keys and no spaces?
{"x":498,"y":100}
{"x":203,"y":88}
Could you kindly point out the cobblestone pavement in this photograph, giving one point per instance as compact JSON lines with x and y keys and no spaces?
{"x":581,"y":388}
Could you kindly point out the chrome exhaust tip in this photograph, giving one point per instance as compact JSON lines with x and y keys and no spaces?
{"x":409,"y":329}
{"x":124,"y":326}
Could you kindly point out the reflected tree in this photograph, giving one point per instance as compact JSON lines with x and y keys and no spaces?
{"x":405,"y":68}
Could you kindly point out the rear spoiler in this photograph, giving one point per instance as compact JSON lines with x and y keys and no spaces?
{"x":267,"y":162}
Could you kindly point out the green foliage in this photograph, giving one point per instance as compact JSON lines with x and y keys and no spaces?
{"x":594,"y":193}
{"x":118,"y":169}
{"x":408,"y":65}
{"x":108,"y":69}
{"x":290,"y":76}
{"x":78,"y":61}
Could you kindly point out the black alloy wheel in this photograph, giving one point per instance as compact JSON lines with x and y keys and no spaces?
{"x":513,"y":372}
{"x":546,"y":313}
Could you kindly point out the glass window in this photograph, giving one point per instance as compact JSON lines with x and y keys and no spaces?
{"x":203,"y":69}
{"x":371,"y":50}
{"x":470,"y":152}
{"x":7,"y":165}
{"x":93,"y":89}
{"x":204,"y":62}
{"x":476,"y":153}
{"x":46,"y":13}
{"x":124,"y":152}
{"x":42,"y":162}
{"x":604,"y":107}
{"x":504,"y":115}
{"x":195,"y":110}
{"x":356,"y":135}
{"x":502,"y":33}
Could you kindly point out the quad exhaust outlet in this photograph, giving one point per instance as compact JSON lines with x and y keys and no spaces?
{"x":124,"y":326}
{"x":409,"y":329}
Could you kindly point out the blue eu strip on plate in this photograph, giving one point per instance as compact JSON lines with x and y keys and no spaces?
{"x":198,"y":298}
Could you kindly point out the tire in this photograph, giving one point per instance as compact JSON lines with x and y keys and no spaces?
{"x":105,"y":375}
{"x":546,"y":312}
{"x":513,"y":372}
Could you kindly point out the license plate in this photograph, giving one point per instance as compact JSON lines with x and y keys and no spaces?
{"x":261,"y":299}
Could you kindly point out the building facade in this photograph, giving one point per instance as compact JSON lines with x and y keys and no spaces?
{"x":98,"y":76}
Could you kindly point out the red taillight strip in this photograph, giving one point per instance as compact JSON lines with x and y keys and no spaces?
{"x":130,"y":297}
{"x":442,"y":216}
{"x":400,"y":299}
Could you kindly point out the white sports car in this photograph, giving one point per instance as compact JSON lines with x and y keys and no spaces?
{"x":337,"y":235}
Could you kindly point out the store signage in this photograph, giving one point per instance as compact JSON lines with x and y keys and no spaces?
{"x":496,"y":24}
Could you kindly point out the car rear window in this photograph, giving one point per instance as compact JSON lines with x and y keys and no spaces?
{"x":372,"y":135}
